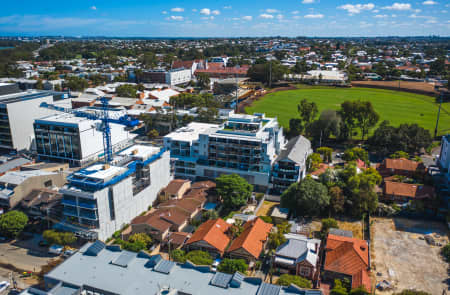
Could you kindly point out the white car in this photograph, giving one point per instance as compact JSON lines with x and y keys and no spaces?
{"x":4,"y":285}
{"x":55,"y":249}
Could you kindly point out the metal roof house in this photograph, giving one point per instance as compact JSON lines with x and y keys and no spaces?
{"x":101,"y":269}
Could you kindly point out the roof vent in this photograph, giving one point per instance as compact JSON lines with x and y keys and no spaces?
{"x":363,"y":248}
{"x":106,"y":167}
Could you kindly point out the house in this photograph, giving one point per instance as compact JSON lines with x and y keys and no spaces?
{"x":190,"y":206}
{"x":159,"y":223}
{"x":299,"y":255}
{"x":347,"y":258}
{"x":175,"y":189}
{"x":279,"y":215}
{"x":400,"y":166}
{"x":404,"y":192}
{"x":251,"y":242}
{"x":175,"y":240}
{"x":210,"y":236}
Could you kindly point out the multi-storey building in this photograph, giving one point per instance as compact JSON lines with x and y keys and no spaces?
{"x":101,"y":198}
{"x":78,"y":141}
{"x":247,"y":145}
{"x":18,"y":110}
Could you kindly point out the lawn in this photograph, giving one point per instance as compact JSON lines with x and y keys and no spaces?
{"x":395,"y":106}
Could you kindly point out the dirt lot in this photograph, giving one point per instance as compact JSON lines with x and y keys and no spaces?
{"x":418,"y":87}
{"x":403,"y":258}
{"x":354,"y":226}
{"x":266,"y":208}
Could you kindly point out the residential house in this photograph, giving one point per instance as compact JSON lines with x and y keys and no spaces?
{"x":210,"y":236}
{"x":400,"y":166}
{"x":175,"y":189}
{"x":299,"y":255}
{"x":347,"y":258}
{"x":251,"y":242}
{"x":404,"y":192}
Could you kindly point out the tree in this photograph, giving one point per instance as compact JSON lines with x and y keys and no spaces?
{"x":356,"y":153}
{"x":399,"y":154}
{"x":277,"y":237}
{"x":366,"y":117}
{"x":207,"y":115}
{"x":152,"y":134}
{"x":348,"y":115}
{"x":267,"y":72}
{"x":363,"y":198}
{"x":12,"y":223}
{"x":307,"y":110}
{"x":127,"y":90}
{"x":178,"y":255}
{"x":327,"y":223}
{"x":142,"y":238}
{"x":295,"y":127}
{"x":233,"y":265}
{"x":210,"y":214}
{"x":149,"y":59}
{"x":326,"y":153}
{"x":445,"y":251}
{"x":76,"y":83}
{"x":337,"y":199}
{"x":287,"y":280}
{"x":338,"y":288}
{"x":203,"y":80}
{"x":359,"y":291}
{"x":313,"y":161}
{"x":306,"y":198}
{"x":199,"y":257}
{"x":234,"y":190}
{"x":329,"y":123}
{"x":60,"y":238}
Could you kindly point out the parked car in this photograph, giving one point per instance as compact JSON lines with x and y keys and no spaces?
{"x":4,"y":285}
{"x":55,"y":249}
{"x":69,"y":252}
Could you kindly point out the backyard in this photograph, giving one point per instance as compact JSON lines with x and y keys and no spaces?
{"x":396,"y":106}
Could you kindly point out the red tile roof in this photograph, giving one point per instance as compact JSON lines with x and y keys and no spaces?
{"x":348,"y":256}
{"x":212,"y":232}
{"x":182,"y":64}
{"x":174,"y":186}
{"x":252,"y":238}
{"x":402,"y":164}
{"x":408,"y":190}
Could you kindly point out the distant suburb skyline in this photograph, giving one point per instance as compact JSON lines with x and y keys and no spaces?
{"x":225,"y":18}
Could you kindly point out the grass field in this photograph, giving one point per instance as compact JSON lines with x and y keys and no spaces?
{"x":397,"y":107}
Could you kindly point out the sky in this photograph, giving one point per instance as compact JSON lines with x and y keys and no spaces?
{"x":225,"y":18}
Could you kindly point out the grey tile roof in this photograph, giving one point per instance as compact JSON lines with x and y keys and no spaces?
{"x":13,"y":164}
{"x":341,"y":232}
{"x":296,"y":150}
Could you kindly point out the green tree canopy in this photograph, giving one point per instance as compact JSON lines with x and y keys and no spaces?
{"x":178,"y":255}
{"x":234,"y":190}
{"x":287,"y":279}
{"x":12,"y":223}
{"x":308,"y":197}
{"x":199,"y":257}
{"x":60,"y":238}
{"x":308,"y":111}
{"x":233,"y":265}
{"x":127,"y":90}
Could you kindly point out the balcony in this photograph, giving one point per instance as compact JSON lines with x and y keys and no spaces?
{"x":90,"y":216}
{"x":69,"y":202}
{"x":92,"y":206}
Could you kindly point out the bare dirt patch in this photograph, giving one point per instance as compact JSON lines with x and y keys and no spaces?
{"x":266,"y":208}
{"x":401,"y":255}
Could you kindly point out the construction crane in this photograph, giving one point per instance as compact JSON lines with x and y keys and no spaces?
{"x":104,"y":117}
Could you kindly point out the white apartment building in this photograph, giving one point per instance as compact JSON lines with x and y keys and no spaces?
{"x":178,"y":76}
{"x":18,"y":110}
{"x":64,"y":137}
{"x":102,"y":198}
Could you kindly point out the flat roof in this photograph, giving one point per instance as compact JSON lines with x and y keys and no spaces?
{"x":142,"y":152}
{"x":192,"y":131}
{"x":146,"y":274}
{"x":100,"y":171}
{"x":17,"y":177}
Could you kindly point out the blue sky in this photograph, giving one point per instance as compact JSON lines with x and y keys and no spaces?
{"x":225,"y":18}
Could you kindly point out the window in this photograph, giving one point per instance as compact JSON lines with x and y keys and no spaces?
{"x":305,"y":271}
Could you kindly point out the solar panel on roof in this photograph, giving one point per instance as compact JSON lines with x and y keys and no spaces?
{"x":221,"y":279}
{"x":124,"y":259}
{"x":237,"y":279}
{"x":268,"y":289}
{"x":95,"y":248}
{"x":164,"y":266}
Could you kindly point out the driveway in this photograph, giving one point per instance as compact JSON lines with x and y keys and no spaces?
{"x":26,"y":255}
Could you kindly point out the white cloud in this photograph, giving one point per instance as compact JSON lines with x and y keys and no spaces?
{"x":271,"y":10}
{"x":177,"y":9}
{"x":164,"y":12}
{"x":94,"y":7}
{"x":356,"y":8}
{"x":280,"y":16}
{"x":314,"y":15}
{"x":295,"y":12}
{"x":208,"y":17}
{"x":381,"y":16}
{"x":176,"y":17}
{"x":266,"y":16}
{"x":431,"y":21}
{"x":429,"y":2}
{"x":308,"y":1}
{"x":215,"y":12}
{"x":247,"y":17}
{"x":227,"y":7}
{"x":296,"y":17}
{"x":205,"y":11}
{"x":398,"y":6}
{"x":375,"y":10}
